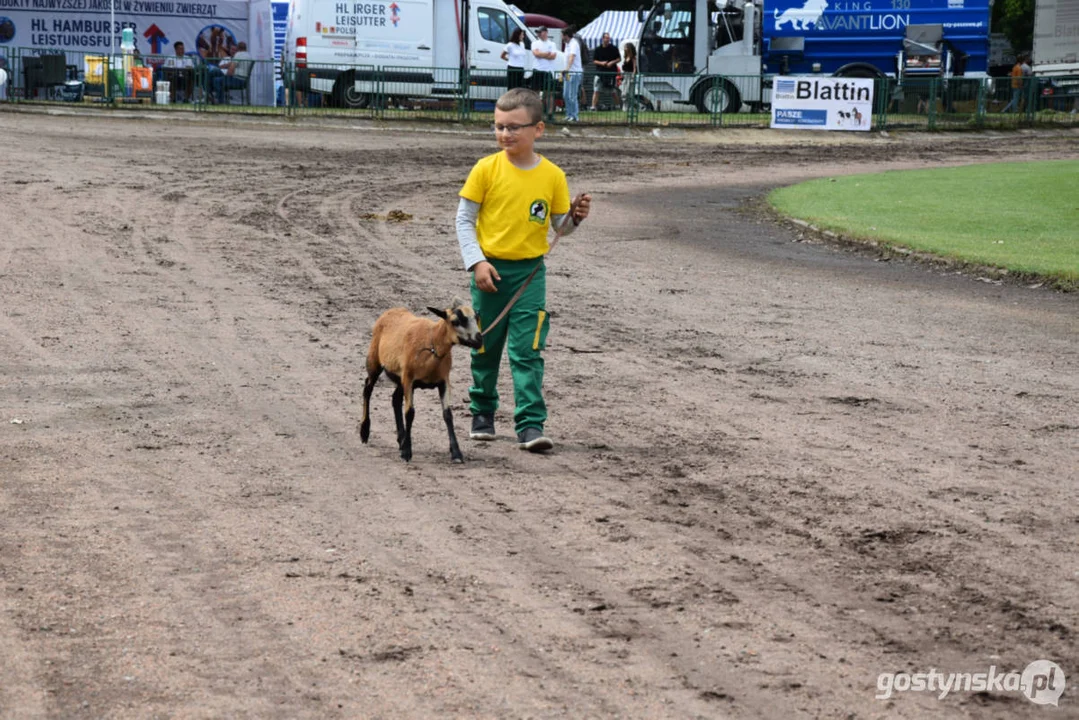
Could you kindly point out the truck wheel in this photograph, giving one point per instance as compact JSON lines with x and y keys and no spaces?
{"x":721,"y":97}
{"x":858,"y":70}
{"x":345,"y":95}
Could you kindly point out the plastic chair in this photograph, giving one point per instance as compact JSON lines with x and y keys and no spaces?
{"x":244,"y":90}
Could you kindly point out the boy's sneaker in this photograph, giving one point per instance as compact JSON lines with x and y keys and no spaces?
{"x":483,"y":427}
{"x":532,"y":440}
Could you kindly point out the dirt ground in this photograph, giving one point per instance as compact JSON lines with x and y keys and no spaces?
{"x":782,"y":468}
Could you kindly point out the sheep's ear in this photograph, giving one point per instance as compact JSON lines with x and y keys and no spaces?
{"x":436,"y":311}
{"x":457,"y":303}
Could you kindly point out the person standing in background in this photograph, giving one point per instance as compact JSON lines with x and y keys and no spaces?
{"x":1027,"y":73}
{"x":606,"y":60}
{"x":515,"y":56}
{"x":543,"y":79}
{"x":571,"y":85}
{"x":629,"y":70}
{"x":1017,"y":86}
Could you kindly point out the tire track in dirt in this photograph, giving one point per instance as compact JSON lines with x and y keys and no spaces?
{"x":92,"y":293}
{"x":153,"y":268}
{"x":235,"y":376}
{"x":906,"y":499}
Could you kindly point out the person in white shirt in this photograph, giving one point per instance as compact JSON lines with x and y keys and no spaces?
{"x":571,"y":87}
{"x":234,"y":72}
{"x":180,"y":72}
{"x":181,"y":59}
{"x":543,"y":80}
{"x":515,"y":54}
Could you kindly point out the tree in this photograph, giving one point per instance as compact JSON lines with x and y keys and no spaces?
{"x":1015,"y":18}
{"x":579,"y":12}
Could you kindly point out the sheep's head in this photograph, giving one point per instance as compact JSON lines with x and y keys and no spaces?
{"x":462,"y":319}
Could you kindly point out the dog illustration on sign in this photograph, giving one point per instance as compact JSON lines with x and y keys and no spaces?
{"x":799,"y":18}
{"x":854,"y":117}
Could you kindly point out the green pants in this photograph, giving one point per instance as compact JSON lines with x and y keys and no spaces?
{"x":524,"y":330}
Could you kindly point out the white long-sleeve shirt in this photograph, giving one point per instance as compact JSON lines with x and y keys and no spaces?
{"x":467,"y":214}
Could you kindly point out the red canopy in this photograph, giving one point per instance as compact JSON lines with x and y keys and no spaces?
{"x":535,"y":20}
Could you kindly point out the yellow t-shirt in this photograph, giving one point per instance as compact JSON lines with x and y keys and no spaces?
{"x":515,"y":205}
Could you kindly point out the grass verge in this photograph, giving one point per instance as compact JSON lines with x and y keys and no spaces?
{"x":1021,"y":217}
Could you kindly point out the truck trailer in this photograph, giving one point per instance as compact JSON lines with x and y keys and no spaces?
{"x":715,"y":57}
{"x":1056,"y":53}
{"x":351,"y":51}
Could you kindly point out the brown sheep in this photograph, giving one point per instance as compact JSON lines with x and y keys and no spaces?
{"x":415,"y":353}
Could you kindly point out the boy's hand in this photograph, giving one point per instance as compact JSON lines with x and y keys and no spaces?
{"x":583,"y":206}
{"x":485,"y":275}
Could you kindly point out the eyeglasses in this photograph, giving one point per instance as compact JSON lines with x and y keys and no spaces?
{"x":510,"y":129}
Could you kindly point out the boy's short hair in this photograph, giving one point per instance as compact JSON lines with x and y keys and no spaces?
{"x":522,"y":98}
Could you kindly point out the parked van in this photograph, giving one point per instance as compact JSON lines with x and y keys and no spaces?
{"x":351,"y":50}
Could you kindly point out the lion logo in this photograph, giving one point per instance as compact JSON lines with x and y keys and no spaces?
{"x":799,"y":18}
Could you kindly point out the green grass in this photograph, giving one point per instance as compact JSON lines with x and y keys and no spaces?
{"x":1023,"y":217}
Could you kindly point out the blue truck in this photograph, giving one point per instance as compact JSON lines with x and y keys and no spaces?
{"x":714,"y":55}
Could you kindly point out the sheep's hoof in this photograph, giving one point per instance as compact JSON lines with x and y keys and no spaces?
{"x":457,"y":460}
{"x":365,"y":431}
{"x":406,"y":454}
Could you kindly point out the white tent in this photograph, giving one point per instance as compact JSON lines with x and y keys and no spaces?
{"x":621,"y":24}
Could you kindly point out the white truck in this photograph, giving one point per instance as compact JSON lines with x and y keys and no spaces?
{"x":352,"y":51}
{"x":1056,"y":53}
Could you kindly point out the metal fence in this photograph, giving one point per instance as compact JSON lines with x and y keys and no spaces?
{"x":467,"y":96}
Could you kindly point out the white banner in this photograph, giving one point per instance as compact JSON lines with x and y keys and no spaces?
{"x":207,"y":29}
{"x":83,"y":25}
{"x":822,"y":103}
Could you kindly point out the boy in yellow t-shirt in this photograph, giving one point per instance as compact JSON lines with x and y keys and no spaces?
{"x":507,"y":206}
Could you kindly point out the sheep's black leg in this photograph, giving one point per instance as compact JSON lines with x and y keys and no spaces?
{"x":398,"y":400}
{"x":410,"y":412}
{"x":368,"y":388}
{"x":447,"y":415}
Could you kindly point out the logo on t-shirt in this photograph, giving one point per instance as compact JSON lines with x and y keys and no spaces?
{"x":537,"y":211}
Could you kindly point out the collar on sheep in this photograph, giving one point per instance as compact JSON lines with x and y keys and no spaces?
{"x":566,"y":222}
{"x":430,"y":348}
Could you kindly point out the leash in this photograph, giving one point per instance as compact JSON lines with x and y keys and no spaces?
{"x":559,"y":232}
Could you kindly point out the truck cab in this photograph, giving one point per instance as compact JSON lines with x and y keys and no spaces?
{"x":1056,"y":54}
{"x":690,"y":55}
{"x":353,"y":51}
